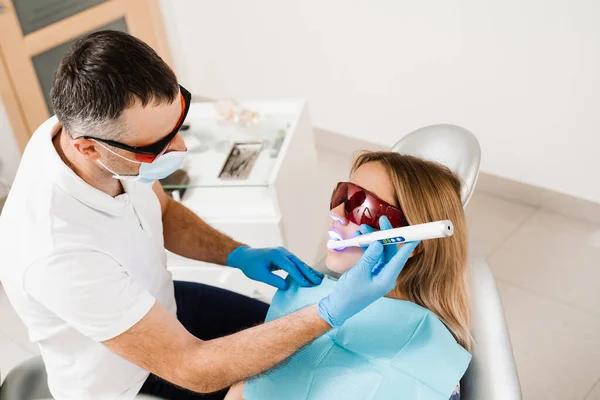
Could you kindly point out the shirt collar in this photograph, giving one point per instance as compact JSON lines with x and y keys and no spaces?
{"x":63,"y":176}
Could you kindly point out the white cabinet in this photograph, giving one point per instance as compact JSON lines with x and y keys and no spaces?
{"x":279,"y":204}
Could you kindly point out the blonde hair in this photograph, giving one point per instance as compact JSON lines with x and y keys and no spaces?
{"x":436,"y":277}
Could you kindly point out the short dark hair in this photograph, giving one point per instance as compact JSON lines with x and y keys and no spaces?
{"x":102,"y":75}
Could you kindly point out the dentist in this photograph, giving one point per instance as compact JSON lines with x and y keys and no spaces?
{"x":84,"y":253}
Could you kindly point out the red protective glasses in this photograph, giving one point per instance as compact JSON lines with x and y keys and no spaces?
{"x":149,"y":153}
{"x":363,"y":207}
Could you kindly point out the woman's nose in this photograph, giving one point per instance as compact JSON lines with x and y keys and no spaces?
{"x":337,"y":214}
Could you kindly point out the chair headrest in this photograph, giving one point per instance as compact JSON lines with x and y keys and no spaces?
{"x":450,"y":145}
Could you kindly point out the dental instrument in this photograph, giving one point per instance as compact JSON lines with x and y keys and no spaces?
{"x":430,"y":230}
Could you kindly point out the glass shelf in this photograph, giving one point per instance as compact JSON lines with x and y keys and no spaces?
{"x":210,"y":142}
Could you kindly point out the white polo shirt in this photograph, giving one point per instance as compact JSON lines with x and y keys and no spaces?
{"x":81,"y":267}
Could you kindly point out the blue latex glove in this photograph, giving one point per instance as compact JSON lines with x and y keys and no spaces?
{"x":259,"y":264}
{"x":370,"y":279}
{"x":384,"y":223}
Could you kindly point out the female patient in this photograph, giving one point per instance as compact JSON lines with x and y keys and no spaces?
{"x":406,"y":190}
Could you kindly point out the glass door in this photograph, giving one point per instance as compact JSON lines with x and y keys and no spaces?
{"x":35,"y":34}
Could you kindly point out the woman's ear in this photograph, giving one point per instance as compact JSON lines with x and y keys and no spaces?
{"x":416,"y":251}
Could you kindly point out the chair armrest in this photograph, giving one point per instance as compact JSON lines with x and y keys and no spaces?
{"x":26,"y":381}
{"x":492,"y":374}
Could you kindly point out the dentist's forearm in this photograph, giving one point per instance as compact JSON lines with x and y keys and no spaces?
{"x":222,"y":362}
{"x":189,"y":236}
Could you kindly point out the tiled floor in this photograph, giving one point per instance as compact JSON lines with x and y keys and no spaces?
{"x":548,"y":270}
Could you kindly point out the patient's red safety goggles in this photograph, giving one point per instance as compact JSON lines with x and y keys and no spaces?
{"x":149,"y":153}
{"x":363,"y":207}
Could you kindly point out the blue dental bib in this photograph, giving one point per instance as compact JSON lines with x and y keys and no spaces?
{"x":393,"y":349}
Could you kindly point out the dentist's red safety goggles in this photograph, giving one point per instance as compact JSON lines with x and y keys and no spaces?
{"x":149,"y":153}
{"x":363,"y":207}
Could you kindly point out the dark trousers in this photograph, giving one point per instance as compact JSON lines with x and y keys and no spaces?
{"x":207,"y":312}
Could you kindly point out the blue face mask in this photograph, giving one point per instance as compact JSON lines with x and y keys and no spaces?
{"x":160,"y":168}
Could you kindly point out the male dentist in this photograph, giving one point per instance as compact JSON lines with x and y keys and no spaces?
{"x":83,"y":237}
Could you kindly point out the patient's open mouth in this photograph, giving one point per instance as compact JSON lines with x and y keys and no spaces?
{"x":333,"y":235}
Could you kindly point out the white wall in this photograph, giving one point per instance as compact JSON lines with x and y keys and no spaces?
{"x":10,"y":155}
{"x":522,"y":75}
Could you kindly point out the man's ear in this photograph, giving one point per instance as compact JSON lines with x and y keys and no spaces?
{"x":87,"y":147}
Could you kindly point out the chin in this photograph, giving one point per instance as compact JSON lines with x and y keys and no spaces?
{"x":342,"y":261}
